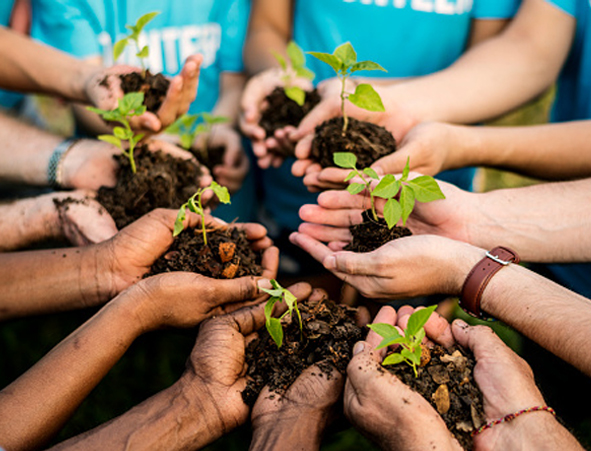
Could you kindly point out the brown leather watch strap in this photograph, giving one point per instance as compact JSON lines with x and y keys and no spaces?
{"x":480,"y":275}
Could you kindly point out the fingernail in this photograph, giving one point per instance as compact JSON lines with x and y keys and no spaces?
{"x":359,"y":347}
{"x":461,"y":323}
{"x":330,"y":262}
{"x":264,"y":283}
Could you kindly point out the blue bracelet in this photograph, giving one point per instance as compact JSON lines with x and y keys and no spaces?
{"x":54,"y":168}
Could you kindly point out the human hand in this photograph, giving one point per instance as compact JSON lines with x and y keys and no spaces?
{"x":253,"y":104}
{"x":181,"y":93}
{"x":382,"y":407}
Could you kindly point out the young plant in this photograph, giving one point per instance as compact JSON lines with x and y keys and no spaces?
{"x":423,"y":188}
{"x":134,"y":35}
{"x":344,"y":62}
{"x":297,"y":67}
{"x":410,"y":342}
{"x":194,"y":205}
{"x":187,"y":129}
{"x":129,"y":105}
{"x":278,"y":294}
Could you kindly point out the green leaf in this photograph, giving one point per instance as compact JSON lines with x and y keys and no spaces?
{"x":407,"y":202}
{"x":180,"y":219}
{"x":295,"y":54}
{"x":406,"y":170}
{"x":298,"y":95}
{"x":137,"y":138}
{"x":194,"y":207}
{"x":417,"y":355}
{"x":384,"y":330}
{"x":188,"y":120}
{"x":371,"y":173}
{"x":276,"y":293}
{"x":144,"y":52}
{"x":111,"y":140}
{"x":122,"y":133}
{"x":217,"y":120}
{"x":393,"y":341}
{"x":276,"y":331}
{"x":139,"y":111}
{"x":426,"y":189}
{"x":387,"y":187}
{"x":131,"y":101}
{"x":114,"y":115}
{"x":329,"y":59}
{"x":418,"y":319}
{"x":419,"y":336}
{"x":289,"y":298}
{"x":303,"y":72}
{"x":276,"y":285}
{"x":269,"y":309}
{"x":392,"y":212}
{"x":143,"y":20}
{"x":355,"y":188}
{"x":280,"y":60}
{"x":344,"y":159}
{"x":119,"y":47}
{"x":366,"y":65}
{"x":186,"y":141}
{"x":393,"y":359}
{"x":367,"y":98}
{"x":97,"y":110}
{"x":346,"y":54}
{"x":409,"y":355}
{"x":350,"y":176}
{"x":221,"y":192}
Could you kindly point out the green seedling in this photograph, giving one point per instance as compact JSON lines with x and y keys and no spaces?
{"x":187,"y":128}
{"x":194,"y":205}
{"x":129,"y":105}
{"x":410,"y":342}
{"x":423,"y":188}
{"x":344,"y":62}
{"x":134,"y":35}
{"x":295,"y":65}
{"x":278,"y":294}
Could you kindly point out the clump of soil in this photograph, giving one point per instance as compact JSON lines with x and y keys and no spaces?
{"x":161,"y":181}
{"x":369,"y":142}
{"x":445,"y":379}
{"x":227,"y":255}
{"x":154,"y":87}
{"x":212,"y":157}
{"x":329,"y":334}
{"x":372,"y":234}
{"x":283,"y":111}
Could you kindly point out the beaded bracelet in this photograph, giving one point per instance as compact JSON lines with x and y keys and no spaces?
{"x":511,"y":417}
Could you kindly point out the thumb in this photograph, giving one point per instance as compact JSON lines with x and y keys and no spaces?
{"x":229,"y":291}
{"x":320,"y":113}
{"x":363,"y":367}
{"x":481,"y":340}
{"x":391,"y":164}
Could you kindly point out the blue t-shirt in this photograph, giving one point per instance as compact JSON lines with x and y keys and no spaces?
{"x":408,"y":38}
{"x":8,"y":99}
{"x":216,"y":29}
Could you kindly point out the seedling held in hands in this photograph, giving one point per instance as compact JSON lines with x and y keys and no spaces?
{"x":344,"y":62}
{"x":129,"y":105}
{"x":410,"y":342}
{"x":278,"y":294}
{"x":423,"y":188}
{"x":194,"y":205}
{"x":297,"y":67}
{"x":135,"y":30}
{"x":187,"y":129}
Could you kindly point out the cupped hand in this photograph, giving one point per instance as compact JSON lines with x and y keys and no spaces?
{"x":386,"y":410}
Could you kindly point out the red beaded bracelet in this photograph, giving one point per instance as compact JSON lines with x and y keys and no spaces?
{"x":511,"y":417}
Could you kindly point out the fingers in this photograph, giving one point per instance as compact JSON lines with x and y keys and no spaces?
{"x":270,"y":262}
{"x":313,"y":247}
{"x":317,"y":214}
{"x":437,"y":327}
{"x":326,"y":234}
{"x":248,"y":319}
{"x":391,"y":164}
{"x":341,"y":199}
{"x":190,"y":74}
{"x":170,"y":108}
{"x":352,"y":263}
{"x":303,"y":147}
{"x":479,"y":339}
{"x":320,"y":113}
{"x":254,"y":231}
{"x":229,"y":291}
{"x":363,"y":368}
{"x":386,"y":315}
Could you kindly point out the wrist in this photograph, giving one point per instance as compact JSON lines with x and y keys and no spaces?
{"x":466,"y":147}
{"x":295,"y":430}
{"x":464,"y":259}
{"x":84,"y":77}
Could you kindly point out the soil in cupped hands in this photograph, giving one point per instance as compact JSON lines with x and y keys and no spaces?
{"x":154,"y":87}
{"x":227,"y":255}
{"x":372,"y":234}
{"x":283,"y":111}
{"x":369,"y":142}
{"x":327,"y":339}
{"x":210,"y":157}
{"x":445,"y":379}
{"x":161,"y":181}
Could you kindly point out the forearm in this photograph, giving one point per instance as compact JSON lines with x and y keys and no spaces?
{"x":36,"y":405}
{"x":303,"y":430}
{"x":228,"y":104}
{"x":174,"y":419}
{"x":543,"y":223}
{"x":495,"y":76}
{"x":31,"y":67}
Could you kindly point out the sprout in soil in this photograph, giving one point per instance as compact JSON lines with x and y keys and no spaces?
{"x":410,"y":342}
{"x":278,"y":293}
{"x":297,"y":68}
{"x":134,"y":36}
{"x":129,"y":105}
{"x":423,"y":188}
{"x":194,"y":205}
{"x":344,"y":62}
{"x":187,"y":128}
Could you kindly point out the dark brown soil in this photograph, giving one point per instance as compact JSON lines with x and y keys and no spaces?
{"x":329,"y":333}
{"x":212,"y":157}
{"x":161,"y":181}
{"x":154,"y":88}
{"x":370,"y":235}
{"x":369,"y":142}
{"x":447,"y":382}
{"x":227,"y":255}
{"x":282,"y":111}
